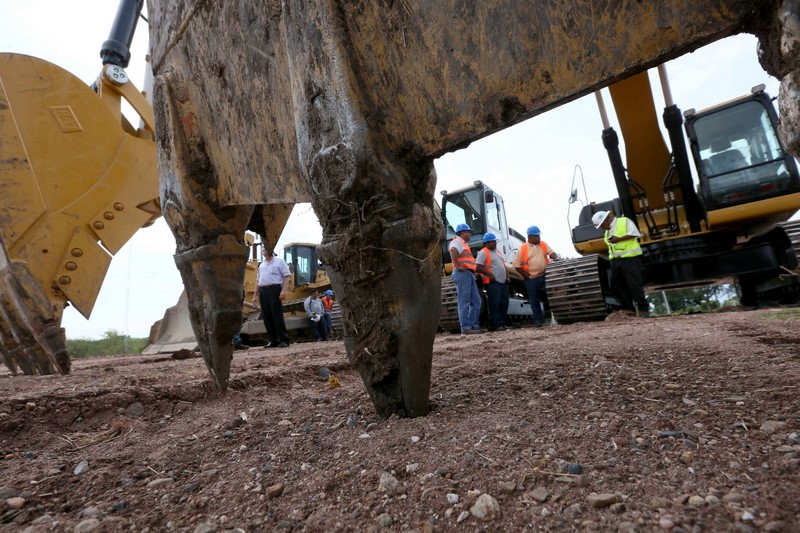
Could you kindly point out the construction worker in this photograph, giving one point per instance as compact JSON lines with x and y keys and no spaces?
{"x":469,"y":300}
{"x":327,"y":302}
{"x":273,"y":284}
{"x":531,"y":262}
{"x":316,"y":311}
{"x":622,"y":237}
{"x":491,"y":264}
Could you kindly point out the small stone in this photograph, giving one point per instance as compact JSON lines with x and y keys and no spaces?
{"x":364,"y":436}
{"x":135,"y":409}
{"x":30,"y":406}
{"x":119,"y":506}
{"x":696,"y":501}
{"x":206,"y":527}
{"x":388,"y":483}
{"x":371,"y":427}
{"x":594,"y":415}
{"x":443,"y":471}
{"x":7,"y":492}
{"x":485,"y":508}
{"x":227,"y":434}
{"x":285,"y":422}
{"x":733,"y":497}
{"x":507,"y":487}
{"x":575,"y":508}
{"x":601,"y":500}
{"x":88,"y":526}
{"x":621,"y":441}
{"x":159,"y":481}
{"x":53,"y":472}
{"x":617,"y":508}
{"x":712,"y":500}
{"x":411,"y":468}
{"x":668,"y":434}
{"x":687,"y":457}
{"x":666,"y":522}
{"x":414,"y":439}
{"x":540,"y":494}
{"x":243,"y":448}
{"x":452,"y":499}
{"x":15,"y":503}
{"x":771,"y":426}
{"x":574,"y":468}
{"x":385,"y":520}
{"x":324,"y":373}
{"x":747,"y":516}
{"x":794,"y":438}
{"x":82,"y":467}
{"x":462,"y":516}
{"x":275,"y":490}
{"x":90,"y":512}
{"x":626,"y":527}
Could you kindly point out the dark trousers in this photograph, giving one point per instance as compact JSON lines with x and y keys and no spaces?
{"x":626,"y":277}
{"x":320,"y":329}
{"x":497,"y":294}
{"x":272,"y":313}
{"x":534,"y":286}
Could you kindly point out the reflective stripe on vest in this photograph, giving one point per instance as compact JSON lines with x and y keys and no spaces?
{"x":524,"y":260}
{"x":488,"y":266}
{"x":486,"y":280}
{"x":622,"y":249}
{"x":465,"y":258}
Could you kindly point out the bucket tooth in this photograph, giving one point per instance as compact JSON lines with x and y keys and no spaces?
{"x":213,"y":276}
{"x":54,"y":342}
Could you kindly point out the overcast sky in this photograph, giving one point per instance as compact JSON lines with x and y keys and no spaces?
{"x":530,"y":165}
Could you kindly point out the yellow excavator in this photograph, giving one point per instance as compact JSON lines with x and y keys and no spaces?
{"x":77,"y":180}
{"x":731,"y":225}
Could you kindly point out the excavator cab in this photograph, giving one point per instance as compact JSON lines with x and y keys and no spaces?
{"x":738,"y":154}
{"x":483,"y":211}
{"x":303,"y":263}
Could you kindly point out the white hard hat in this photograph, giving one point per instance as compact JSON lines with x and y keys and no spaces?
{"x":599,"y":217}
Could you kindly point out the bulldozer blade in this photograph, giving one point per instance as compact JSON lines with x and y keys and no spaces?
{"x":213,"y":275}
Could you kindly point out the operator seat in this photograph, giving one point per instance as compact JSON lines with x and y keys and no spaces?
{"x":725,"y":158}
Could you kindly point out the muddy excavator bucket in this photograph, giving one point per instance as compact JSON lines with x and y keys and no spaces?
{"x":77,"y":180}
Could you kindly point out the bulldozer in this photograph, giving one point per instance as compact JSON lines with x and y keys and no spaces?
{"x":174,"y":331}
{"x":78,"y":180}
{"x":731,"y":225}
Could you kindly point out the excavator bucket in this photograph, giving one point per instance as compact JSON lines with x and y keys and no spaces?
{"x":77,"y":181}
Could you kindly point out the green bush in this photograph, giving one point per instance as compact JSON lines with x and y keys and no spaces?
{"x":112,"y":343}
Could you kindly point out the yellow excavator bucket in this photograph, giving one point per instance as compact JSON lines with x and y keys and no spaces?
{"x":77,"y":180}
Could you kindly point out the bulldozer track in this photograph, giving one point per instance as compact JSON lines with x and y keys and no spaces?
{"x":448,"y":320}
{"x":574,"y":290}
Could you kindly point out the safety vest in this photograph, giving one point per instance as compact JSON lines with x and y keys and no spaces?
{"x":524,"y":259}
{"x":488,"y":264}
{"x":622,"y":249}
{"x":327,"y":301}
{"x":465,"y":258}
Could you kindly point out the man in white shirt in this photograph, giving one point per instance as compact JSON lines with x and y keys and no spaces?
{"x":273,"y":283}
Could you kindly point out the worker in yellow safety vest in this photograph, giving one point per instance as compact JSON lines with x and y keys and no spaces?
{"x":622,"y":238}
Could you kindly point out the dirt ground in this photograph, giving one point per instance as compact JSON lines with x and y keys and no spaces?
{"x":679,"y":424}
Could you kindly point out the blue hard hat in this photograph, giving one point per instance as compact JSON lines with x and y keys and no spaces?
{"x":329,"y":292}
{"x":462,"y":227}
{"x":534,"y":230}
{"x":488,"y":237}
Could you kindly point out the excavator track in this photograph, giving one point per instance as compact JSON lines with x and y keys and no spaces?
{"x":574,"y":290}
{"x":448,"y":320}
{"x":786,"y":293}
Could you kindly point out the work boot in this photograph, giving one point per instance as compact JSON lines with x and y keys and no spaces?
{"x":240,"y":346}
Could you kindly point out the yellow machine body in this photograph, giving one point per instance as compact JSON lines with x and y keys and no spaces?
{"x":77,"y":180}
